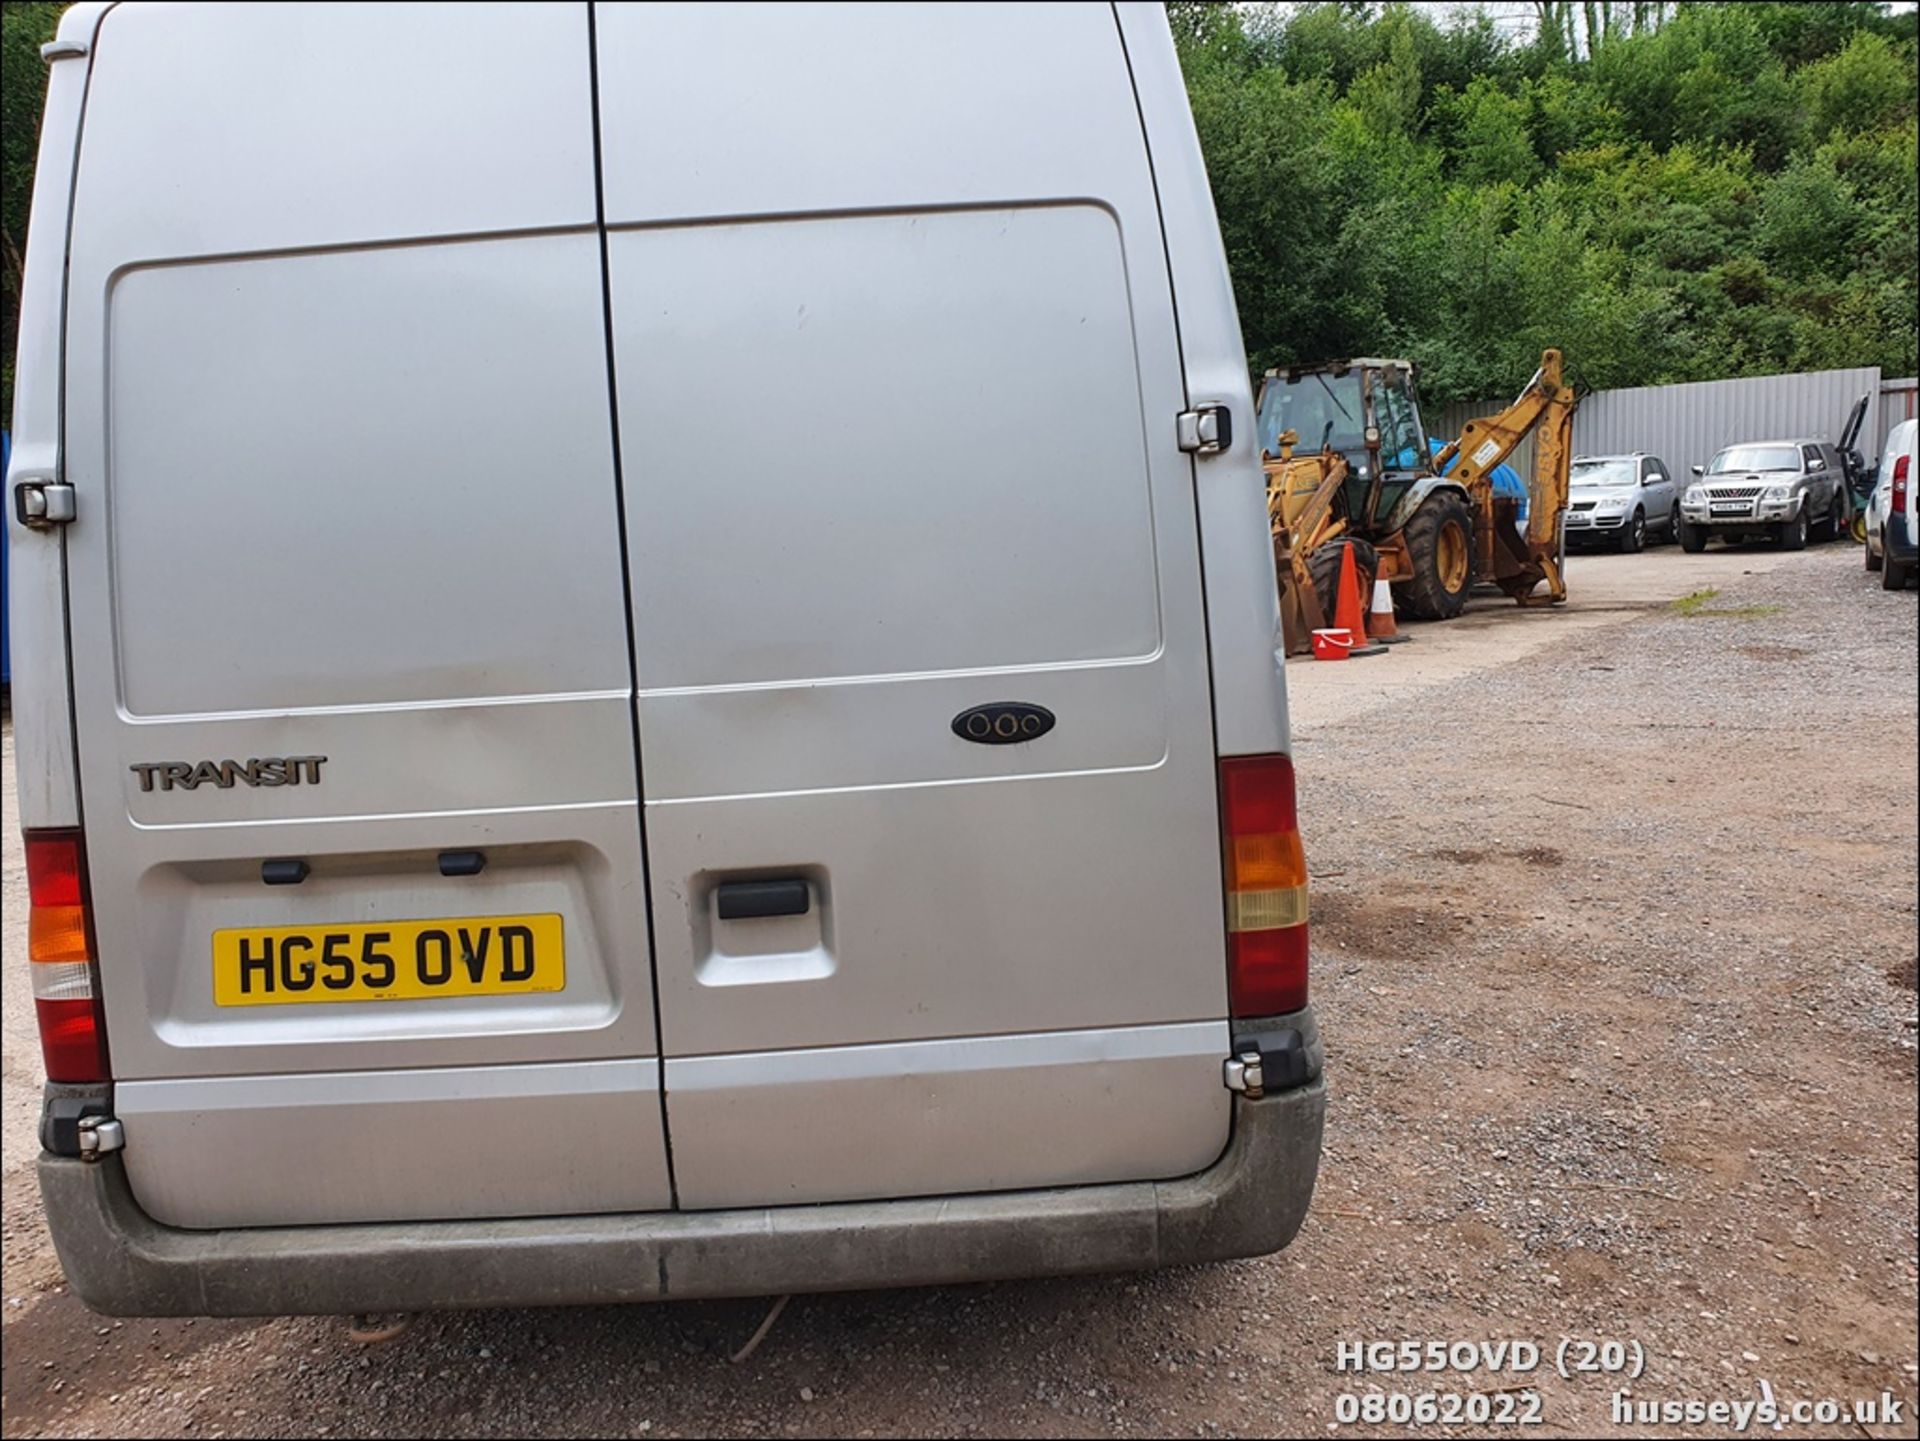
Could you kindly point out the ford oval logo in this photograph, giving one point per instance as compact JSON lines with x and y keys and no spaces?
{"x":1003,"y":723}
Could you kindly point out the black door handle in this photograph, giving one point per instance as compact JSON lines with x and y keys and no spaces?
{"x":746,"y":900}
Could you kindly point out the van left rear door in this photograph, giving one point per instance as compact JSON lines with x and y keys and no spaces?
{"x":347,"y":595}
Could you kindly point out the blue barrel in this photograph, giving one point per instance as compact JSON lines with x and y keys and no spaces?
{"x":1506,"y":481}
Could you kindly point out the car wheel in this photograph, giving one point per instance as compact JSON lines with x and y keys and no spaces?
{"x":1873,"y":556}
{"x":1833,"y":524}
{"x":1693,"y":538}
{"x":1633,"y":535}
{"x":1673,"y":522}
{"x":1792,"y":534}
{"x":1893,"y":574}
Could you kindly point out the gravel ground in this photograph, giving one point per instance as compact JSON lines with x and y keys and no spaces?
{"x":1615,"y":954}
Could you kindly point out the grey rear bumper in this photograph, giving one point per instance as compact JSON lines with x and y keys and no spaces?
{"x":1248,"y":1203}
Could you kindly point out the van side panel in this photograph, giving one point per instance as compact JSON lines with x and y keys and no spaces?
{"x":340,"y":428}
{"x":36,"y":565}
{"x":1243,"y":614}
{"x":898,"y":378}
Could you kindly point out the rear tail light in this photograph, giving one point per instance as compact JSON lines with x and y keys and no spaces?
{"x":66,"y":995}
{"x":1266,"y":872}
{"x":1899,"y":495}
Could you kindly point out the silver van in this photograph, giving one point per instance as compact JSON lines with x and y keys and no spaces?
{"x":647,"y":660}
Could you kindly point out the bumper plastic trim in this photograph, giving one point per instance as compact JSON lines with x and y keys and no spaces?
{"x":1250,"y":1202}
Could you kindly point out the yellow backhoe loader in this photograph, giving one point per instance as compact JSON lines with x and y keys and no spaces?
{"x":1348,"y":462}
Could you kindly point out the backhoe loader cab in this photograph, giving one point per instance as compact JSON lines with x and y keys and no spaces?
{"x":1363,"y":410}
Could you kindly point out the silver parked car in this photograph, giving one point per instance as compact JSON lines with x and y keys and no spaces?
{"x":1621,"y":500}
{"x":1789,"y":490}
{"x":515,"y":817}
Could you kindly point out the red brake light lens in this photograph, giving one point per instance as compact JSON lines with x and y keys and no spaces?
{"x":1266,"y":876}
{"x":72,"y":1040}
{"x":1900,"y":479}
{"x":53,"y":868}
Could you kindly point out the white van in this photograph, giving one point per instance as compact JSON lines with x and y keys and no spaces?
{"x":1893,"y":537}
{"x":647,"y":660}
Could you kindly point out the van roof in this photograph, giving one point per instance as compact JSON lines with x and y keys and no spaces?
{"x":78,"y":22}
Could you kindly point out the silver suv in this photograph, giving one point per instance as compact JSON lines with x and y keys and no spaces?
{"x":1789,"y":490}
{"x":1621,"y":499}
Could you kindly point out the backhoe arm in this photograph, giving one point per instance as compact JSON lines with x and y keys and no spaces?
{"x":1518,"y":563}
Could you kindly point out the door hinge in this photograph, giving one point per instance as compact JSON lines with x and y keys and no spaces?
{"x":43,"y":504}
{"x":1206,"y":431}
{"x":99,"y":1135}
{"x":1242,"y":1073}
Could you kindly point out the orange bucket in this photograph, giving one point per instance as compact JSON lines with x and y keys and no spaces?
{"x":1333,"y":644}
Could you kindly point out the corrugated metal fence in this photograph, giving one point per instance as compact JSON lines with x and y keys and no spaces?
{"x":1899,"y":400}
{"x":1685,"y":424}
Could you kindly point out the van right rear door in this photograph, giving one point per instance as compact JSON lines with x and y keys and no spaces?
{"x":897,"y":375}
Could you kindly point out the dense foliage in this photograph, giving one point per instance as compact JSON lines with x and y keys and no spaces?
{"x":1666,"y":192}
{"x":24,"y":28}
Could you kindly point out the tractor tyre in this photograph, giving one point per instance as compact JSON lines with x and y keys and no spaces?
{"x":1324,"y":566}
{"x":1440,"y":542}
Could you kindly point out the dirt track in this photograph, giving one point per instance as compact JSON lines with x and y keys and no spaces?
{"x":1615,"y":919}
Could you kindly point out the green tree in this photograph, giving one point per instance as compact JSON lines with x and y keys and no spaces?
{"x":1667,"y":191}
{"x":1491,"y":136}
{"x":24,"y":28}
{"x":1862,"y":88}
{"x":1387,"y":95}
{"x":1810,"y":224}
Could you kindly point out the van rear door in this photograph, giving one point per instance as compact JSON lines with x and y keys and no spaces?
{"x":347,"y":614}
{"x":897,"y":379}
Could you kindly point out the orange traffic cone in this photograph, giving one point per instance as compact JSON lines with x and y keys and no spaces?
{"x":1348,"y":612}
{"x":1380,"y":619}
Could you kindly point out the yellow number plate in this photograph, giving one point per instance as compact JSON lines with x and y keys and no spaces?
{"x":389,"y":961}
